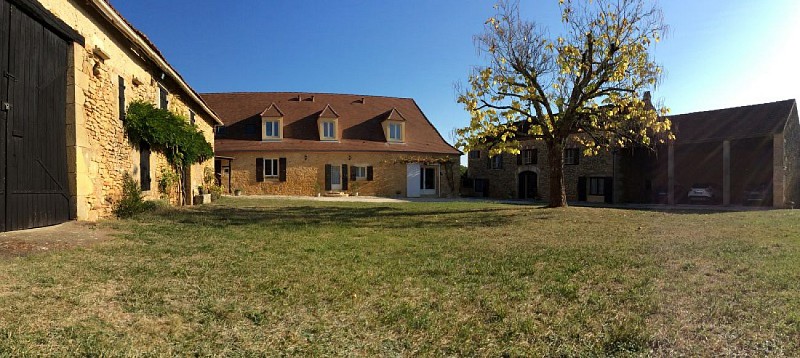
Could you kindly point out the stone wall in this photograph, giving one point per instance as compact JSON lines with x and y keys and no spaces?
{"x":305,"y":173}
{"x":99,"y":154}
{"x":503,"y":183}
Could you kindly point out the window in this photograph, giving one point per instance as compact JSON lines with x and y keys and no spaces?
{"x":191,"y":117}
{"x":359,"y":173}
{"x":530,"y":156}
{"x":163,"y":101}
{"x":496,"y":162}
{"x":395,"y":131}
{"x":121,"y":98}
{"x":597,"y":186}
{"x":271,"y":168}
{"x":571,"y":156}
{"x":328,"y":130}
{"x":474,"y":154}
{"x":272,"y":129}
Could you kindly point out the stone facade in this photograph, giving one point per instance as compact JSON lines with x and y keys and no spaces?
{"x":305,"y":173}
{"x":503,"y":182}
{"x":98,"y":152}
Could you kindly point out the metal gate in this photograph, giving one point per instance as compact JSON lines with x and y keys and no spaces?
{"x":34,"y":188}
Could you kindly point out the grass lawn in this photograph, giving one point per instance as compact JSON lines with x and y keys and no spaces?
{"x":247,"y":277}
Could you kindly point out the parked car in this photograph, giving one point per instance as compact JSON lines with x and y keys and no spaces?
{"x":701,"y":192}
{"x":756,"y":195}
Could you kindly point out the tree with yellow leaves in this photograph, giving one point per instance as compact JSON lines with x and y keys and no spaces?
{"x":586,"y":86}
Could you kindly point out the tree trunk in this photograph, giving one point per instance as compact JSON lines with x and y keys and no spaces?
{"x":555,"y":160}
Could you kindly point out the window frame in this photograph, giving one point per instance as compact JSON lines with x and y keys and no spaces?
{"x":399,"y":130}
{"x":571,"y":156}
{"x":163,"y":97}
{"x":474,"y":154}
{"x":597,"y":186}
{"x":358,"y":170}
{"x":275,"y":126}
{"x":274,"y":166}
{"x":496,"y":162}
{"x":325,"y":128}
{"x":530,"y":156}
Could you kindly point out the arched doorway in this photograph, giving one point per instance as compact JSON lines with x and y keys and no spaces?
{"x":527,"y":185}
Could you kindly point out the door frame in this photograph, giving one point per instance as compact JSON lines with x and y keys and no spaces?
{"x":428,"y":192}
{"x":522,"y":188}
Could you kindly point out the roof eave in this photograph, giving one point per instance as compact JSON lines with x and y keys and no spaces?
{"x":120,"y":24}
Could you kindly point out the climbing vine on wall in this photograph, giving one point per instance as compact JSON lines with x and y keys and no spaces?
{"x":181,"y":143}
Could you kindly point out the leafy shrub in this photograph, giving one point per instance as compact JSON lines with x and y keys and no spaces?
{"x":166,"y":183}
{"x":132,"y":202}
{"x":216,"y":192}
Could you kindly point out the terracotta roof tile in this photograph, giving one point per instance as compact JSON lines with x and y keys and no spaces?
{"x":360,"y":122}
{"x":328,"y":112}
{"x":272,"y":111}
{"x":732,"y":123}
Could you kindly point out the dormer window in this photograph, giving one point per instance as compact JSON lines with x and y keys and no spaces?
{"x":272,"y":123}
{"x":328,"y":124}
{"x":329,"y":130}
{"x":394,"y":126}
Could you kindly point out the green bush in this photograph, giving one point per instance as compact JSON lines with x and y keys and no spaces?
{"x":132,"y":202}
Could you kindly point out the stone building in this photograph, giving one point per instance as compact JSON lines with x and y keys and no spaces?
{"x":312,"y":143}
{"x":736,"y":150}
{"x":80,"y":62}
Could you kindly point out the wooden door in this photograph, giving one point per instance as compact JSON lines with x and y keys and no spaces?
{"x":35,"y":186}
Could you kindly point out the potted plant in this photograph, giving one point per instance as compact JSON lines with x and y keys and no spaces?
{"x":200,"y":190}
{"x":237,"y":192}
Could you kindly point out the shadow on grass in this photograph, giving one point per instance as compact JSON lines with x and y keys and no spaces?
{"x":378,"y":217}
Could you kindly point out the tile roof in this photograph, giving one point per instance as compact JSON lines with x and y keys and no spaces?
{"x":272,"y":111}
{"x":360,"y":119}
{"x":733,"y":123}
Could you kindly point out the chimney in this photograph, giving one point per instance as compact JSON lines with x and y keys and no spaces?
{"x":312,"y":98}
{"x":363,"y":100}
{"x":299,"y":97}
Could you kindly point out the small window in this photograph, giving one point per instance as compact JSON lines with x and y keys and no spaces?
{"x":497,"y":161}
{"x":474,"y":154}
{"x":395,"y":131}
{"x":272,"y":129}
{"x":597,"y":186}
{"x":328,"y":130}
{"x":271,"y":168}
{"x":360,"y":173}
{"x":529,"y":156}
{"x":191,"y":117}
{"x":571,"y":156}
{"x":163,"y":100}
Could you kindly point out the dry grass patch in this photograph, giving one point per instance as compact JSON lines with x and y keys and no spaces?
{"x":318,"y":278}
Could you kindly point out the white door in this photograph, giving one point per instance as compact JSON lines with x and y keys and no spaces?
{"x":427,"y":184}
{"x":414,"y":178}
{"x":336,"y":177}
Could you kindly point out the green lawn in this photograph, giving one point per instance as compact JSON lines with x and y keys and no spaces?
{"x":248,"y":277}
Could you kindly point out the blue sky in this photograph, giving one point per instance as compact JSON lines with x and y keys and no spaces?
{"x":718,"y":53}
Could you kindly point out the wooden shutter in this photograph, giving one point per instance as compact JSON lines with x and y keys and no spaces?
{"x":327,"y":177}
{"x":488,"y":162}
{"x":121,"y":98}
{"x":162,"y":98}
{"x":534,"y":156}
{"x":281,"y":169}
{"x":344,"y":177}
{"x":353,"y":173}
{"x":259,"y":169}
{"x":369,"y":173}
{"x":144,"y":165}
